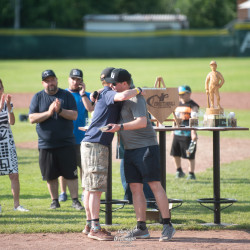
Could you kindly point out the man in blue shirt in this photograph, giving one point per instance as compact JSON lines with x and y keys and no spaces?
{"x":95,"y":150}
{"x":77,"y":88}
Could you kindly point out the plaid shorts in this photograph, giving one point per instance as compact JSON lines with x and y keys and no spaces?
{"x":94,"y":158}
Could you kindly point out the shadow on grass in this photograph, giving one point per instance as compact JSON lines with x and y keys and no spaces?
{"x":25,"y":196}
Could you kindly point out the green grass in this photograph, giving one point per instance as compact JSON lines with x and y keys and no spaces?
{"x":34,"y":195}
{"x":25,"y":75}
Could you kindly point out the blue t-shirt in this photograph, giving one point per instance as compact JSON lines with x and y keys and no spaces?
{"x":56,"y":131}
{"x":81,"y":118}
{"x":106,"y":111}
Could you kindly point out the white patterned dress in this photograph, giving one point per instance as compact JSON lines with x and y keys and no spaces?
{"x":8,"y":156}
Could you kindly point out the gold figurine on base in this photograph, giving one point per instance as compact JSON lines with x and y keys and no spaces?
{"x":214,"y":116}
{"x":213,"y":83}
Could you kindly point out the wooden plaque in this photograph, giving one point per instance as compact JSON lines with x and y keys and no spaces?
{"x":161,"y":102}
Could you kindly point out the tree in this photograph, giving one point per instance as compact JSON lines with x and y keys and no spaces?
{"x":69,"y":13}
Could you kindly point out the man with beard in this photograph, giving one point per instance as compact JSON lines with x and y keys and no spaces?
{"x":78,"y":89}
{"x":53,"y":110}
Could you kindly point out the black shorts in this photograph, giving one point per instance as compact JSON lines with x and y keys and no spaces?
{"x":78,"y":155}
{"x":55,"y":162}
{"x":142,"y":164}
{"x":180,"y":145}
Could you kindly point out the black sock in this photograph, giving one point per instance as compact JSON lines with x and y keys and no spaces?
{"x":55,"y":200}
{"x":75,"y":199}
{"x":191,"y":173}
{"x":141,"y":225}
{"x":179,"y":169}
{"x":166,"y":221}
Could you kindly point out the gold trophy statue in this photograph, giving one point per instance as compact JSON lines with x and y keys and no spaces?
{"x":213,"y":83}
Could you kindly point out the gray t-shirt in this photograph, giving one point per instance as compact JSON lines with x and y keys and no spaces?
{"x":132,"y":139}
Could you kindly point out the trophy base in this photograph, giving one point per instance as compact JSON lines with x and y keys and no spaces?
{"x":214,"y":117}
{"x":214,"y":111}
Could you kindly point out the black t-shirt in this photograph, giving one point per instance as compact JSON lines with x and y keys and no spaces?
{"x":184,"y":109}
{"x":56,"y":131}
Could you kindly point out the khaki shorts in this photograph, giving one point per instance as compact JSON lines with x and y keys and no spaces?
{"x":94,"y":158}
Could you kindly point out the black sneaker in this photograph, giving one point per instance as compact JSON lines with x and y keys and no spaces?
{"x":77,"y":205}
{"x":55,"y":204}
{"x":179,"y":174}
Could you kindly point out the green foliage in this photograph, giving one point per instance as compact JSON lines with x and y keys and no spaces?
{"x":208,"y":13}
{"x":69,"y":13}
{"x":25,"y":75}
{"x":35,"y":196}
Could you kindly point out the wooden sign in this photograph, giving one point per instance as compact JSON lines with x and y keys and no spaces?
{"x":161,"y":102}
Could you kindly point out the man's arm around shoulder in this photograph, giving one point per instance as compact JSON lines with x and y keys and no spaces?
{"x":127,"y":94}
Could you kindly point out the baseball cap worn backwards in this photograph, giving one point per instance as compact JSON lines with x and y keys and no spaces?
{"x":47,"y":73}
{"x":77,"y":73}
{"x":118,"y":75}
{"x":184,"y":89}
{"x":106,"y":72}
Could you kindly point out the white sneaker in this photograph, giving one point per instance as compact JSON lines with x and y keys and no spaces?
{"x":21,"y":209}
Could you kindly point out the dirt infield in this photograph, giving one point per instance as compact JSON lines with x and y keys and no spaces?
{"x":183,"y":240}
{"x":214,"y":239}
{"x":228,"y":100}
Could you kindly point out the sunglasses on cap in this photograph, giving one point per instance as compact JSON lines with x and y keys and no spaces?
{"x":115,"y":83}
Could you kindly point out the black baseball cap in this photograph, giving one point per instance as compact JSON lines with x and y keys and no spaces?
{"x":106,"y":73}
{"x":76,"y":73}
{"x":47,"y":73}
{"x":118,"y":75}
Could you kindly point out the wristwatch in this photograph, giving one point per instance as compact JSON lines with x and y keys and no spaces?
{"x":121,"y":127}
{"x":11,"y":111}
{"x":60,"y":110}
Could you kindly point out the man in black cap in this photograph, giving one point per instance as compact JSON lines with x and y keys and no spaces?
{"x":53,"y":110}
{"x":95,"y":151}
{"x":78,"y":89}
{"x":141,"y":159}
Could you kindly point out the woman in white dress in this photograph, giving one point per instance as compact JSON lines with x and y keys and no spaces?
{"x":8,"y":156}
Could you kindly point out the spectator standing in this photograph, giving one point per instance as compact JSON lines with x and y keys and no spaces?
{"x":183,"y":139}
{"x":78,"y":89}
{"x":53,"y":110}
{"x":8,"y":156}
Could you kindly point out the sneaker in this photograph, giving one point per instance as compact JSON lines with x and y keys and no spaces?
{"x":100,"y":234}
{"x":77,"y":205}
{"x":167,"y":233}
{"x":179,"y":174}
{"x":21,"y":209}
{"x":138,"y":233}
{"x":191,"y":177}
{"x":86,"y":230}
{"x":63,"y":197}
{"x":55,"y":204}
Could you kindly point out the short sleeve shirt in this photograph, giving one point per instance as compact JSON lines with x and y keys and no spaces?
{"x":56,"y":131}
{"x":185,"y":112}
{"x":81,"y":118}
{"x":132,"y":139}
{"x":106,"y":111}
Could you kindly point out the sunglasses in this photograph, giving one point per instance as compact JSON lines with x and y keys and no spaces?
{"x":115,"y":83}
